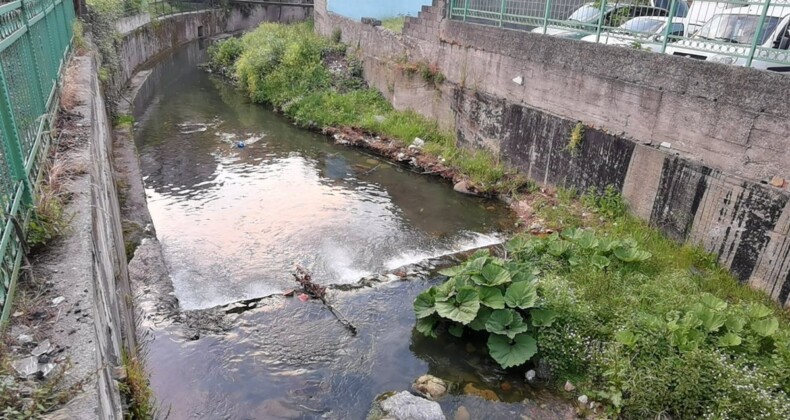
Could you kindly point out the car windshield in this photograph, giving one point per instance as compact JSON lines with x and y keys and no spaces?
{"x":738,"y":29}
{"x":643,"y":25}
{"x":587,"y":13}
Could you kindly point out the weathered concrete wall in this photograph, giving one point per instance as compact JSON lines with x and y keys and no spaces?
{"x":726,"y":126}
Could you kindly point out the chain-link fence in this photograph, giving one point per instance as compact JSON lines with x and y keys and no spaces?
{"x":746,"y":33}
{"x":35,"y":37}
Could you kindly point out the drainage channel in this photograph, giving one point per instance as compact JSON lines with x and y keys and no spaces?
{"x":239,"y":197}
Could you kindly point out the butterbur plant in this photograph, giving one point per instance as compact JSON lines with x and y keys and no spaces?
{"x":487,"y":296}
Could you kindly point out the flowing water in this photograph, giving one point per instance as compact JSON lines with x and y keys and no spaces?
{"x":239,"y":196}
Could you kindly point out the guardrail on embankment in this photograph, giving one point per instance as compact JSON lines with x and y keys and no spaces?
{"x":750,"y":33}
{"x":35,"y":39}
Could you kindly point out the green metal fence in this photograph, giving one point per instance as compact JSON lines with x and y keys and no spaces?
{"x":752,"y":33}
{"x":35,"y":38}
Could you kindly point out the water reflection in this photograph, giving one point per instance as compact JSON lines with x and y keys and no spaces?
{"x":239,"y":196}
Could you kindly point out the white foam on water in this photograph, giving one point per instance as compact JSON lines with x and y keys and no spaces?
{"x":474,"y":240}
{"x":190,"y":127}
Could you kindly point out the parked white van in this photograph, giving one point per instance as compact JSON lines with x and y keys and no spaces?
{"x":727,"y":38}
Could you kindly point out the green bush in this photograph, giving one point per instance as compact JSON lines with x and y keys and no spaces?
{"x":634,"y":328}
{"x":285,"y":66}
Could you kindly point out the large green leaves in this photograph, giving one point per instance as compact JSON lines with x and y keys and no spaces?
{"x":491,"y":297}
{"x":425,"y":303}
{"x":542,"y":317}
{"x":631,"y":254}
{"x":509,"y":352}
{"x":462,"y":307}
{"x":426,"y":326}
{"x":492,"y":275}
{"x":765,"y":327}
{"x":506,"y":322}
{"x":522,"y":295}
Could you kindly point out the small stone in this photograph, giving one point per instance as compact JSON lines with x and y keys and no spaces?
{"x":405,"y":406}
{"x":536,"y":227}
{"x":471,"y":389}
{"x":462,"y":414}
{"x":24,"y":339}
{"x":58,"y":300}
{"x":400,"y":156}
{"x":17,"y":314}
{"x":583,"y":399}
{"x":25,"y":367}
{"x":46,"y":368}
{"x":506,"y":386}
{"x":430,"y":386}
{"x":569,"y":387}
{"x":42,"y":348}
{"x":778,"y":182}
{"x":418,"y":142}
{"x":666,"y":145}
{"x":530,"y":375}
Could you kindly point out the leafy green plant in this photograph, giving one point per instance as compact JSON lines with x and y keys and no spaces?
{"x":489,"y":296}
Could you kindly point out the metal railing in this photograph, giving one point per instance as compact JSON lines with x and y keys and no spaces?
{"x":35,"y":38}
{"x":752,"y":33}
{"x":157,"y":8}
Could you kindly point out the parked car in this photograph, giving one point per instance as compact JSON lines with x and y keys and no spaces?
{"x":738,"y":26}
{"x":584,"y":19}
{"x":645,"y":32}
{"x":701,"y":11}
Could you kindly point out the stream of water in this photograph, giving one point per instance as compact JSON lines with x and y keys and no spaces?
{"x":239,"y":196}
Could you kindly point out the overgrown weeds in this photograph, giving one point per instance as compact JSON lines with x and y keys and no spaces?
{"x":656,"y":328}
{"x":49,"y":219}
{"x":293,"y":69}
{"x":137,"y":390}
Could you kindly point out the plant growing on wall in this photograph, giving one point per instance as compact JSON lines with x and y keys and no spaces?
{"x":576,"y":139}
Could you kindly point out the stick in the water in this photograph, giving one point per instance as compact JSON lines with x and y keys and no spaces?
{"x":316,"y":291}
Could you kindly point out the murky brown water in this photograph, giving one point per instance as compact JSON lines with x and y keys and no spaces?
{"x":234,"y":221}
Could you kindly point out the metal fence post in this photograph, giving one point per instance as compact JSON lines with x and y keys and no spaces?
{"x":546,"y":16}
{"x":672,"y":7}
{"x":452,"y":6}
{"x":14,"y":156}
{"x":600,"y":21}
{"x":466,"y":9}
{"x":758,"y":34}
{"x":502,"y":12}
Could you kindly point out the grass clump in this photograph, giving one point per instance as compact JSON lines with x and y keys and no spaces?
{"x":287,"y":66}
{"x":135,"y":387}
{"x":394,"y":24}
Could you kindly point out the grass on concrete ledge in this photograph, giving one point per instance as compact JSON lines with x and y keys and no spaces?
{"x":394,"y":24}
{"x":284,"y":65}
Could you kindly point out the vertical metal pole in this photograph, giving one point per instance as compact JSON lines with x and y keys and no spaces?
{"x":672,"y":7}
{"x":11,"y":139}
{"x":452,"y":7}
{"x":758,"y":34}
{"x":466,"y":9}
{"x":546,"y":16}
{"x":600,"y":21}
{"x":502,"y":12}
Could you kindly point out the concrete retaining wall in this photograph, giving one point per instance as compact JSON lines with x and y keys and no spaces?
{"x":692,"y":145}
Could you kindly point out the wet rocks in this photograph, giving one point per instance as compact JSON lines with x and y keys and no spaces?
{"x":530,"y":375}
{"x":405,"y":406}
{"x":471,"y":389}
{"x":462,"y":414}
{"x":569,"y":387}
{"x":430,"y":387}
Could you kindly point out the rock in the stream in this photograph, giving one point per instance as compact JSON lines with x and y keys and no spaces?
{"x":405,"y":406}
{"x":430,"y":386}
{"x":530,"y":375}
{"x":471,"y":389}
{"x":463,"y":187}
{"x":462,"y":414}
